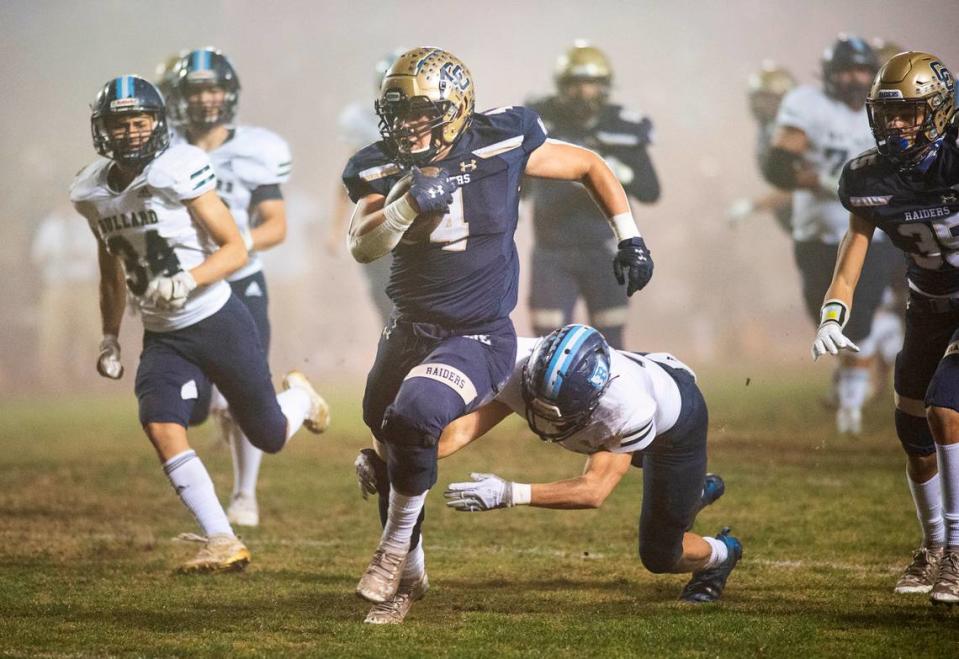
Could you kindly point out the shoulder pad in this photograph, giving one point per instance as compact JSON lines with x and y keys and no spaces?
{"x":799,"y":106}
{"x":262,"y":157}
{"x":86,"y":183}
{"x":507,"y":128}
{"x":367,"y":172}
{"x":182,"y":170}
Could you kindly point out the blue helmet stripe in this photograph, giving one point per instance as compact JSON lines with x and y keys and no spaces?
{"x":553,"y":377}
{"x":116,"y":92}
{"x":127,"y":87}
{"x":206,"y":59}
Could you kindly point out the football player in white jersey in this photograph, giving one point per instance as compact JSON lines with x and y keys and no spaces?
{"x":818,"y":131}
{"x":621,"y":409}
{"x":250,"y":164}
{"x":165,"y":236}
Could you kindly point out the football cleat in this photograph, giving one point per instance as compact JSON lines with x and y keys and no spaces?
{"x":921,"y":573}
{"x":393,"y":611}
{"x":318,"y":419}
{"x":946,"y":588}
{"x":707,"y":585}
{"x":381,"y":580}
{"x":713,"y":488}
{"x":243,"y":510}
{"x":220,"y":553}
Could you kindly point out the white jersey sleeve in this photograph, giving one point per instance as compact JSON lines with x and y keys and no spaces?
{"x":265,"y":158}
{"x":799,"y":109}
{"x":182,"y":172}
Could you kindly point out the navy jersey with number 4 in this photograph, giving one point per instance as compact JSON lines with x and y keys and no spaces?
{"x":920,"y":216}
{"x":465,"y":274}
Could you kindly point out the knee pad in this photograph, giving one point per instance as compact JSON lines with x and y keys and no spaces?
{"x":658,"y":558}
{"x":914,"y":434}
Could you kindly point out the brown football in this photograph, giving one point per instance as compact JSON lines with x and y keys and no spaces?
{"x":423,"y":225}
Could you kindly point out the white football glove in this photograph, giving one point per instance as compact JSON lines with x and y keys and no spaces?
{"x":830,"y":339}
{"x":365,"y":474}
{"x":170,"y":292}
{"x":739,"y":211}
{"x":488,"y":491}
{"x":108,"y":362}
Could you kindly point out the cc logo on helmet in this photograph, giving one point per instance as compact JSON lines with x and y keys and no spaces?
{"x":455,"y":75}
{"x":942,"y":73}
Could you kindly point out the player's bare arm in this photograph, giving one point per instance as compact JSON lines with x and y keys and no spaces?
{"x":470,"y":427}
{"x":215,"y":217}
{"x":600,"y":477}
{"x":270,"y":224}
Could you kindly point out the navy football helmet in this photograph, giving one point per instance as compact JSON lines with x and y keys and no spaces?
{"x":563,"y":381}
{"x":206,"y":67}
{"x":847,"y":53}
{"x":129,"y":95}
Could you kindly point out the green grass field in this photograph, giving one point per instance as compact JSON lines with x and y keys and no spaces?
{"x":87,"y":520}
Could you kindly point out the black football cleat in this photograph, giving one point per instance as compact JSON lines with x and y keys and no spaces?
{"x":708,"y":585}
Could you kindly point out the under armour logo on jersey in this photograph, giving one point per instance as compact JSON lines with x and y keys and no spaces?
{"x":950,"y":198}
{"x":482,"y":338}
{"x":468,"y":166}
{"x":253,"y":290}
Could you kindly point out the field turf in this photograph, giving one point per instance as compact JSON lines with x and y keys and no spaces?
{"x":87,"y":521}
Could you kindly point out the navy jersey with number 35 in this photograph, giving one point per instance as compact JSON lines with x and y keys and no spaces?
{"x":466,"y":274}
{"x":921,"y":216}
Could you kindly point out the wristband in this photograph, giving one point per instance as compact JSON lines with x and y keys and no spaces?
{"x":624,"y":226}
{"x":521,"y":493}
{"x":834,"y":311}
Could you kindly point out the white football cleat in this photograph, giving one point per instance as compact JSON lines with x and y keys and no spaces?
{"x":319,"y":417}
{"x":849,"y":420}
{"x":220,"y":553}
{"x":920,"y":575}
{"x":393,"y":611}
{"x":243,"y":510}
{"x":382,"y":577}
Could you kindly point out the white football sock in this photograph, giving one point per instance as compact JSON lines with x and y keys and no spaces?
{"x":246,"y":463}
{"x":928,"y":500}
{"x":415,"y":562}
{"x":403,"y":514}
{"x":295,"y":404}
{"x":719,"y":553}
{"x":853,"y":386}
{"x":192,"y":483}
{"x":949,"y":482}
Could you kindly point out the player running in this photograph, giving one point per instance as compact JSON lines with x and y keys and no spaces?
{"x":450,"y":344}
{"x":818,"y":130}
{"x":906,"y":186}
{"x":164,"y":235}
{"x":250,"y":164}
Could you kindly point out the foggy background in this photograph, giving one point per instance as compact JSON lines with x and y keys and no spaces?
{"x":720,"y":296}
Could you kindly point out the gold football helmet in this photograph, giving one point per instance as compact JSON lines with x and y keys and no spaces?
{"x":910,"y":104}
{"x":424,"y":82}
{"x":583,"y":78}
{"x":767,"y":86}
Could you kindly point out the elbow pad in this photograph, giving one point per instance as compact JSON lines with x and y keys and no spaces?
{"x":780,"y":166}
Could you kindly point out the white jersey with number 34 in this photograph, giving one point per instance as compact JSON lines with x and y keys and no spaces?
{"x":836,"y":134}
{"x":150,"y":230}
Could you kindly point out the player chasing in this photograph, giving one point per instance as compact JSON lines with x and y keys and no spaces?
{"x":165,"y":235}
{"x":450,"y":344}
{"x":250,"y":165}
{"x":570,"y":234}
{"x":621,"y":409}
{"x":817,"y":131}
{"x":906,"y":187}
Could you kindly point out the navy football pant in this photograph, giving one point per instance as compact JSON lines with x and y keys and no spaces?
{"x":424,"y":377}
{"x":816,"y":262}
{"x":252,"y":292}
{"x":674,"y":471}
{"x":560,"y":276}
{"x":927,"y":368}
{"x":223,"y":349}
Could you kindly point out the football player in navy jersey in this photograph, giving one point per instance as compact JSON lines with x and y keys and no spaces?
{"x":450,"y":344}
{"x":908,"y":187}
{"x":621,"y":409}
{"x":165,"y":236}
{"x":570,"y":236}
{"x":251,"y":163}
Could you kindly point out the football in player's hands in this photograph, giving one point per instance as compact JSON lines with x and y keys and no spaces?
{"x":425,"y":223}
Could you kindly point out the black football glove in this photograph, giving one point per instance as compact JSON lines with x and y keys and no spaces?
{"x":633,"y":264}
{"x":432,"y":194}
